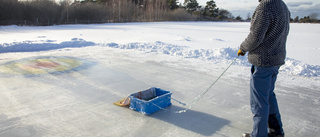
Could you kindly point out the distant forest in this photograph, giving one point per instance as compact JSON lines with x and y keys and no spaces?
{"x":48,"y":12}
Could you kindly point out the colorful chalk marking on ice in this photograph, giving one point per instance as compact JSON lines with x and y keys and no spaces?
{"x":40,"y":65}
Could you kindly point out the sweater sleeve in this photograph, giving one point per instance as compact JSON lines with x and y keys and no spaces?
{"x":258,"y":29}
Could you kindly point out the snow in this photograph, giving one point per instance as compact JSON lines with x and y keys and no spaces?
{"x":120,"y":59}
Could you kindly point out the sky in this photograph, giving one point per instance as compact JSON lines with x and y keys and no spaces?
{"x":299,"y":8}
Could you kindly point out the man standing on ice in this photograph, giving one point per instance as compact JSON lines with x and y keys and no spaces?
{"x":266,"y":44}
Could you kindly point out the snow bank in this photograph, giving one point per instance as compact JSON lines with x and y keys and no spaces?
{"x":296,"y":67}
{"x":215,"y":56}
{"x":32,"y":46}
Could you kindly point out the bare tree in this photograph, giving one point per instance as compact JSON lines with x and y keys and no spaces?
{"x":314,"y":16}
{"x":64,"y":8}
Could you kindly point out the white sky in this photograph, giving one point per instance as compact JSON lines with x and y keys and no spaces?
{"x":299,"y":8}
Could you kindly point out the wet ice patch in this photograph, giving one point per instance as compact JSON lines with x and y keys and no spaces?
{"x":40,"y":65}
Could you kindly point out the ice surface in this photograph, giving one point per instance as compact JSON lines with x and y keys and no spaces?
{"x":120,"y":59}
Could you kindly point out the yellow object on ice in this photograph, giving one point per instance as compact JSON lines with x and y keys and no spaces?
{"x":123,"y":102}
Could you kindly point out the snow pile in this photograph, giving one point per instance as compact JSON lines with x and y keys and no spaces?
{"x":296,"y":67}
{"x":31,"y":46}
{"x":215,"y":56}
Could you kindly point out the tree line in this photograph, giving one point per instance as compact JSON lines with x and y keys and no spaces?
{"x":48,"y":12}
{"x":312,"y":18}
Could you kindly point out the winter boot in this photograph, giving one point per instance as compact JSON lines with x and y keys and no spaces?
{"x":274,"y":127}
{"x":269,"y":135}
{"x":275,"y":134}
{"x":246,"y":135}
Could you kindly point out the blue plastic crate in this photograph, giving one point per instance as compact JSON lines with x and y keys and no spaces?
{"x":150,"y":100}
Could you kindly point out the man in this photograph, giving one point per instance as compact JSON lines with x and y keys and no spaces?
{"x":266,"y":44}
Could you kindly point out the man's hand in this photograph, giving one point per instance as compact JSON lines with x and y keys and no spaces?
{"x":241,"y":53}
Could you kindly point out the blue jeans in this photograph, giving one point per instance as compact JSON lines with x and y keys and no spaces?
{"x":263,"y":101}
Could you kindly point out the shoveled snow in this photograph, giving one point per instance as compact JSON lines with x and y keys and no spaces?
{"x":216,"y":56}
{"x":183,"y":57}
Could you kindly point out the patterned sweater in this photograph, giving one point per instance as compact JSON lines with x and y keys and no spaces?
{"x":266,"y":42}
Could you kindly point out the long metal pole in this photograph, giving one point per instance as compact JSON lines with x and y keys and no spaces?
{"x":202,"y":94}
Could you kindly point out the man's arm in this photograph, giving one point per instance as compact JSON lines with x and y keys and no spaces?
{"x":259,"y":27}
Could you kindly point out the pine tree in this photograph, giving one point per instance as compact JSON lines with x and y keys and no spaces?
{"x":211,"y":9}
{"x":191,"y":5}
{"x":172,"y":4}
{"x":296,"y":19}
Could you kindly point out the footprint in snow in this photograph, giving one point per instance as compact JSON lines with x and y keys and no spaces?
{"x":183,"y":38}
{"x":217,"y":39}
